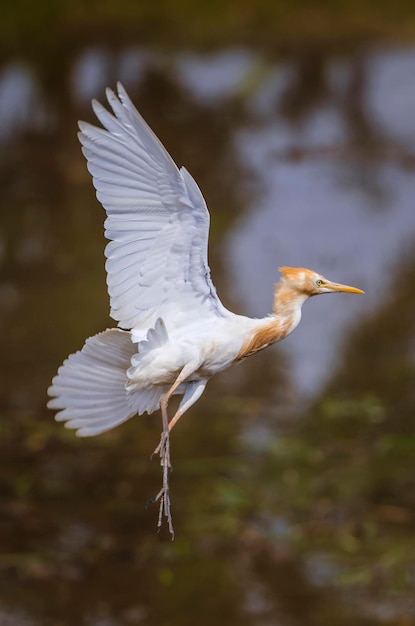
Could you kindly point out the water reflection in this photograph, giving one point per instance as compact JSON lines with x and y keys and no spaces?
{"x":90,"y":74}
{"x":343,"y":241}
{"x":305,"y":515}
{"x":20,"y":105}
{"x":314,"y":212}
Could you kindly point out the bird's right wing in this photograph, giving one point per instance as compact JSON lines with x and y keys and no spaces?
{"x":158,"y":221}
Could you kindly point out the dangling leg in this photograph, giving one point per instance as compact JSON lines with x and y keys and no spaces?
{"x":193,"y":392}
{"x":164,"y":449}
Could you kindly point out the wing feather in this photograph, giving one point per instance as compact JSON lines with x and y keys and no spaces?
{"x":157,"y":224}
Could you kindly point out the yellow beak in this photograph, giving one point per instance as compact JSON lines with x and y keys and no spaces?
{"x":344,"y":288}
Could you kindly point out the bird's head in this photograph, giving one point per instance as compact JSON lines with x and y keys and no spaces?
{"x":309,"y":283}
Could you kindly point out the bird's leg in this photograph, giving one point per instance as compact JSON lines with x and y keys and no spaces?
{"x":193,"y":392}
{"x":165,"y":434}
{"x":164,"y":450}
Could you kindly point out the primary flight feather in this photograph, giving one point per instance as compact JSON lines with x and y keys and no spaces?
{"x":174,"y":331}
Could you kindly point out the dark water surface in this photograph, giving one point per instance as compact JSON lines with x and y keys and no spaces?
{"x":294,"y":476}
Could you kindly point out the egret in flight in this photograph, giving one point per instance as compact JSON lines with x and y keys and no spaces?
{"x":174,"y":333}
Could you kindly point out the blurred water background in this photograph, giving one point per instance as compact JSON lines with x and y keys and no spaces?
{"x":294,"y":476}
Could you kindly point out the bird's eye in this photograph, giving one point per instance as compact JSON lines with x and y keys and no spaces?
{"x":319,"y":282}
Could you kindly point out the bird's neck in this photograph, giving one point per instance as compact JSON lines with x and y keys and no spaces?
{"x":288,"y":301}
{"x":284,"y":319}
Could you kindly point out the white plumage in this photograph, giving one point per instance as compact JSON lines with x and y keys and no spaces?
{"x":90,"y":385}
{"x":177,"y":332}
{"x":158,"y":222}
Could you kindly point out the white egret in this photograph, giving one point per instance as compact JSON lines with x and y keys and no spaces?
{"x":174,"y":331}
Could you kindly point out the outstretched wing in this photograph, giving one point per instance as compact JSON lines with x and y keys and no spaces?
{"x":158,"y":221}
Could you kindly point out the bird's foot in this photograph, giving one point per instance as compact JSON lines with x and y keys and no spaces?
{"x":164,"y":509}
{"x":157,"y":450}
{"x":163,"y":495}
{"x":163,"y":449}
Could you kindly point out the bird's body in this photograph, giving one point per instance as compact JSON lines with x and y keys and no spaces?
{"x":211,"y":348}
{"x":175,"y":334}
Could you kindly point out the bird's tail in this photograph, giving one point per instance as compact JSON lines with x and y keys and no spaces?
{"x":89,"y":389}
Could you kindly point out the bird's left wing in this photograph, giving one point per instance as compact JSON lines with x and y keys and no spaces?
{"x":158,"y":221}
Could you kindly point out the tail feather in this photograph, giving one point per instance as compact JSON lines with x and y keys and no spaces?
{"x":89,"y":389}
{"x":94,"y":389}
{"x":97,"y":426}
{"x":146,"y":400}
